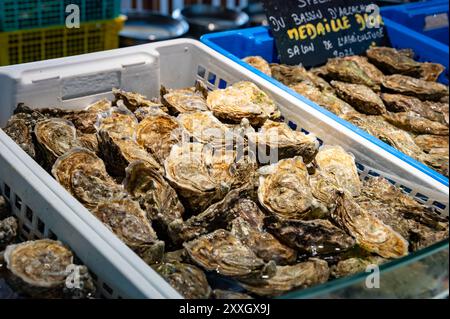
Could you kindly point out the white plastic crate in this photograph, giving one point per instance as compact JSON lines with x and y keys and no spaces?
{"x":75,"y":82}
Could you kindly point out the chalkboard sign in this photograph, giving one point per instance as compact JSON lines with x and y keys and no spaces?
{"x":309,"y":32}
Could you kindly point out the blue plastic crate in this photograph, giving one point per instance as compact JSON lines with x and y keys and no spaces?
{"x":28,"y":14}
{"x":428,"y":18}
{"x":239,"y":44}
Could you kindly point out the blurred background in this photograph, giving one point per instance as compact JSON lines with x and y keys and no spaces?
{"x":32,"y":30}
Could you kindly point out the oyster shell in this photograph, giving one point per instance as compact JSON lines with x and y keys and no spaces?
{"x":185,"y":100}
{"x":346,"y":70}
{"x":243,"y":100}
{"x":361,"y":97}
{"x":223,"y":253}
{"x":424,"y":90}
{"x":414,"y":123}
{"x":422,"y":237}
{"x":433,"y":111}
{"x":263,"y":244}
{"x":287,"y":278}
{"x":86,"y":287}
{"x":89,"y":142}
{"x":431,"y":71}
{"x":118,"y":154}
{"x":20,"y":129}
{"x":54,"y":137}
{"x":370,"y":232}
{"x":327,"y":100}
{"x":100,"y":106}
{"x":315,"y":237}
{"x":159,"y":200}
{"x":259,"y":63}
{"x":187,"y":171}
{"x":130,"y":224}
{"x":285,"y":191}
{"x":84,"y":175}
{"x":8,"y":231}
{"x":143,"y":112}
{"x":188,"y":280}
{"x":119,"y":123}
{"x":177,"y":256}
{"x":393,"y":62}
{"x":283,"y":142}
{"x":292,"y":75}
{"x":369,"y":69}
{"x":38,"y":268}
{"x":355,"y":265}
{"x":227,"y":294}
{"x":134,"y":101}
{"x":429,"y":142}
{"x":157,"y":133}
{"x":340,"y":166}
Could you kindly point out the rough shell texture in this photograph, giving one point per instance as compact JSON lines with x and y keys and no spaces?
{"x":393,"y":62}
{"x":355,"y":265}
{"x":360,"y":97}
{"x":185,"y":100}
{"x":226,"y":294}
{"x":88,"y":141}
{"x":424,"y":90}
{"x":283,"y":142}
{"x":132,"y":100}
{"x":370,"y":232}
{"x":8,"y":231}
{"x":431,"y":71}
{"x":157,"y":133}
{"x":340,"y":166}
{"x":144,"y":112}
{"x":188,"y":280}
{"x":79,"y":284}
{"x":20,"y":129}
{"x":315,"y":237}
{"x":369,"y":69}
{"x":429,"y":142}
{"x":126,"y":219}
{"x":285,"y":190}
{"x":223,"y":253}
{"x":259,"y":63}
{"x":119,"y":123}
{"x":287,"y":278}
{"x":243,"y":100}
{"x":414,"y":123}
{"x":262,"y":243}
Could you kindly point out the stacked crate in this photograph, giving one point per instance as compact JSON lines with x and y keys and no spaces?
{"x":32,"y":30}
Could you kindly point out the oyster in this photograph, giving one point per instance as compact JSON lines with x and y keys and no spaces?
{"x":188,"y":280}
{"x":263,"y":244}
{"x":370,"y":232}
{"x":20,"y":129}
{"x":340,"y":166}
{"x":227,"y":294}
{"x":346,"y":70}
{"x":177,"y":256}
{"x":292,"y":75}
{"x":144,"y":112}
{"x":159,"y":200}
{"x":219,"y":216}
{"x":414,"y":123}
{"x":157,"y":133}
{"x":130,"y":224}
{"x":243,"y":100}
{"x":119,"y":123}
{"x":259,"y":63}
{"x":134,"y":101}
{"x":84,"y":175}
{"x":287,"y":278}
{"x":431,"y":71}
{"x":187,"y":171}
{"x":185,"y":100}
{"x":223,"y":253}
{"x":315,"y":237}
{"x":5,"y":209}
{"x":100,"y":106}
{"x":285,"y":191}
{"x":89,"y":142}
{"x":424,"y":90}
{"x":355,"y":265}
{"x":360,"y":97}
{"x":433,"y":111}
{"x":327,"y":100}
{"x":118,"y":154}
{"x":283,"y":142}
{"x":422,"y":237}
{"x":8,"y":231}
{"x":54,"y":137}
{"x":371,"y":70}
{"x":38,"y":268}
{"x":393,"y":62}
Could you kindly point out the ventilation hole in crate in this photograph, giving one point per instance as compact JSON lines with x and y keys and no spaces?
{"x":40,"y":225}
{"x":406,"y":189}
{"x":26,"y":229}
{"x":7,"y":191}
{"x":212,"y":78}
{"x":292,"y":125}
{"x":373,"y":174}
{"x":29,"y":214}
{"x":222,"y":84}
{"x":439,"y":205}
{"x":201,"y":72}
{"x":391,"y":181}
{"x":320,"y":142}
{"x":18,"y":202}
{"x":52,"y":235}
{"x":108,"y":289}
{"x":422,"y":197}
{"x":360,"y":167}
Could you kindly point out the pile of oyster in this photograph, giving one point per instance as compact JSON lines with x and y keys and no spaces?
{"x":386,"y":93}
{"x":40,"y":268}
{"x":221,"y":197}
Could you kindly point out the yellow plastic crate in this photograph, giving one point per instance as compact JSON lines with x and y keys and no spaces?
{"x":54,"y":42}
